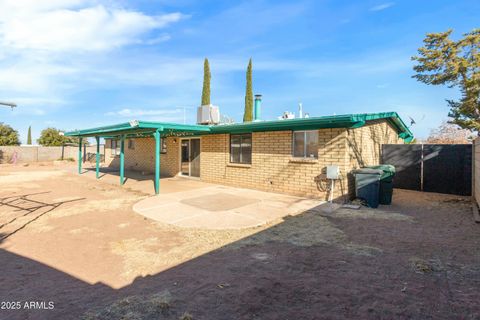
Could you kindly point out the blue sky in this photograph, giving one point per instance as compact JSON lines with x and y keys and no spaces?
{"x":75,"y":64}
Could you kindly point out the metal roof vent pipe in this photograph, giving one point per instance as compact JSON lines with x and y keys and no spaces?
{"x":257,"y":108}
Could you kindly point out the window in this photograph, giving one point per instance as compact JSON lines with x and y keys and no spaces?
{"x":241,"y":148}
{"x":131,"y":144}
{"x":305,"y":144}
{"x":115,"y":147}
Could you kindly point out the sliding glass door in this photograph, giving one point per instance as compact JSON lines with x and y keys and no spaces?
{"x":190,"y":157}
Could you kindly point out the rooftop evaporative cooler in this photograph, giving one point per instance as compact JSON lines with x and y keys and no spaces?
{"x":208,"y":114}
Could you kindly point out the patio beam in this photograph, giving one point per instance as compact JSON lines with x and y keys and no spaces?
{"x":97,"y":158}
{"x":157,"y":161}
{"x":122,"y":158}
{"x":80,"y":155}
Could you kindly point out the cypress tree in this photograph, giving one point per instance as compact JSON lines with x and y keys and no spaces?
{"x":206,"y":83}
{"x":29,"y":136}
{"x":248,"y":115}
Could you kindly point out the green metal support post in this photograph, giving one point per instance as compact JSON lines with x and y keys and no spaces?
{"x":157,"y":161}
{"x":122,"y":158}
{"x":97,"y":158}
{"x":80,"y":155}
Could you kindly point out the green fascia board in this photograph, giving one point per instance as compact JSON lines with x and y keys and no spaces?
{"x":178,"y":130}
{"x":340,"y":121}
{"x":114,"y":133}
{"x":173,"y":129}
{"x":181,"y":127}
{"x":131,"y":135}
{"x":142,"y":127}
{"x":98,"y":131}
{"x":393,"y":118}
{"x":287,"y":124}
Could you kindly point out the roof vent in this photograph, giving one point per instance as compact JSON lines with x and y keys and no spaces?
{"x":257,"y":112}
{"x":287,"y":115}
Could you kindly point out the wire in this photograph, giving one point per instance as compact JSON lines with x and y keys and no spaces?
{"x":324,"y":185}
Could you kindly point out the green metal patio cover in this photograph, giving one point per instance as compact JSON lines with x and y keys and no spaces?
{"x":157,"y":130}
{"x":134,"y":129}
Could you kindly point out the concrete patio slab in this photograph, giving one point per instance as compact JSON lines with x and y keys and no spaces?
{"x":219,"y":201}
{"x":171,"y":212}
{"x":220,"y":207}
{"x":226,"y":220}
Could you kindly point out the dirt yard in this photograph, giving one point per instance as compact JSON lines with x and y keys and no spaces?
{"x":74,"y":247}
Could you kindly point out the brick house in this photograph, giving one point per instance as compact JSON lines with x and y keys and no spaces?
{"x":286,"y":156}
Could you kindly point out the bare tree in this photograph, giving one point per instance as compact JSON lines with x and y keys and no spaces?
{"x":449,"y":133}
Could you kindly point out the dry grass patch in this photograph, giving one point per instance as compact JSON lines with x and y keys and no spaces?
{"x":152,"y":255}
{"x":186,"y":316}
{"x":365,"y":213}
{"x":157,"y":306}
{"x":425,"y":266}
{"x":305,"y":230}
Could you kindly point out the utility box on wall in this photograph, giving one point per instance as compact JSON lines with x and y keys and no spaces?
{"x":333,"y":172}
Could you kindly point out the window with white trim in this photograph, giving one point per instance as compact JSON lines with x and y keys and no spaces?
{"x":241,"y":148}
{"x":305,"y":144}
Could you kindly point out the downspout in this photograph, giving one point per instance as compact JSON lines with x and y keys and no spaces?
{"x":80,"y":155}
{"x":122,"y":158}
{"x":97,"y":158}
{"x":157,"y":161}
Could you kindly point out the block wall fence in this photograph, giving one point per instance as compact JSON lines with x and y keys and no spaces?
{"x":31,"y":154}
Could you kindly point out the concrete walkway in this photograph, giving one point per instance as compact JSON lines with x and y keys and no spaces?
{"x":219,"y":207}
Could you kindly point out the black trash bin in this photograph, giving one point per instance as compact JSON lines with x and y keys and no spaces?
{"x":367,"y":185}
{"x":386,"y":182}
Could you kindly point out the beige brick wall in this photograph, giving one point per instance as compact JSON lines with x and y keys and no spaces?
{"x":142,"y":157}
{"x":365,"y":143}
{"x":365,"y":146}
{"x":273,"y":168}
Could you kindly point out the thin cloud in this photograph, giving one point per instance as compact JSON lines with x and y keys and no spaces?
{"x":157,"y":40}
{"x":88,"y":28}
{"x":382,"y":6}
{"x":141,"y":112}
{"x":49,"y":50}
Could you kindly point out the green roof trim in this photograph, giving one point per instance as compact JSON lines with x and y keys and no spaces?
{"x":146,"y":128}
{"x":340,"y":121}
{"x":135,"y":128}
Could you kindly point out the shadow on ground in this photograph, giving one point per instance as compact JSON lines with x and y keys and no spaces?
{"x":418,"y":259}
{"x":30,"y":211}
